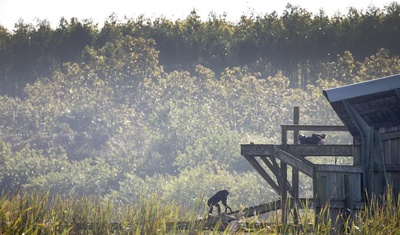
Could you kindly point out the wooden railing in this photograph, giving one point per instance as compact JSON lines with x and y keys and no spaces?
{"x":296,"y":128}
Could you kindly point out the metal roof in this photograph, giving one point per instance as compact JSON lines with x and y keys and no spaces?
{"x":376,"y":101}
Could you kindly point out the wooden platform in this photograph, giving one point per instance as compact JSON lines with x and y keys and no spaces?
{"x":338,"y":186}
{"x":332,"y":183}
{"x":294,"y":156}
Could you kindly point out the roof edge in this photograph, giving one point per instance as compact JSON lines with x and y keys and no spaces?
{"x":363,"y":88}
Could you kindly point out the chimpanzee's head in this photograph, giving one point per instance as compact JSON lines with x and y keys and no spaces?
{"x":226,"y":192}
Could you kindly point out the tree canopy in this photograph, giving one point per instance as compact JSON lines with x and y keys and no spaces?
{"x":297,"y":43}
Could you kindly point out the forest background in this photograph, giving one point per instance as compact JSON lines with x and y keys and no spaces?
{"x":153,"y":106}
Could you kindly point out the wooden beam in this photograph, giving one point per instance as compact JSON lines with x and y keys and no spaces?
{"x":257,"y":149}
{"x":301,"y":203}
{"x":320,"y":150}
{"x":389,"y":168}
{"x":262,"y":172}
{"x":294,"y":162}
{"x":390,"y":135}
{"x":387,"y":124}
{"x":339,"y":168}
{"x":295,"y":127}
{"x":274,"y":167}
{"x":336,"y":204}
{"x":298,"y":150}
{"x":273,"y":160}
{"x":260,"y":209}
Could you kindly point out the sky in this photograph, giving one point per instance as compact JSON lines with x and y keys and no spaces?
{"x":30,"y":11}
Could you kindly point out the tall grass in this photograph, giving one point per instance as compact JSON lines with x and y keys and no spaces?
{"x":41,"y":213}
{"x":381,"y":216}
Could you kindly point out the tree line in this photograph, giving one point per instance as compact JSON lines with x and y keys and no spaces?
{"x":297,"y":42}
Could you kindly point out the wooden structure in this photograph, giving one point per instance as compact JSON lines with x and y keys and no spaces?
{"x":272,"y":162}
{"x":370,"y":112}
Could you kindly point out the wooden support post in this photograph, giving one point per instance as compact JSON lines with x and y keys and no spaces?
{"x":367,"y":134}
{"x":379,"y":157}
{"x":369,"y":142}
{"x":284,"y":199}
{"x":321,"y":193}
{"x":348,"y":203}
{"x":284,"y":135}
{"x":324,"y":197}
{"x":283,"y":186}
{"x":295,"y":172}
{"x":296,"y":120}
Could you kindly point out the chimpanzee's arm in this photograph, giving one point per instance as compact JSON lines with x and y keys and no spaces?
{"x":225,"y":204}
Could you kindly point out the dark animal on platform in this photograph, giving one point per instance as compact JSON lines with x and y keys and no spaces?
{"x":220,"y":196}
{"x":318,"y":139}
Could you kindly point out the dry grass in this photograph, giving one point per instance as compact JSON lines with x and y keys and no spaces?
{"x":37,"y":213}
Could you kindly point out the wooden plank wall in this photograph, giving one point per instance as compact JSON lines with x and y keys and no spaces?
{"x":331,"y":186}
{"x":342,"y":191}
{"x":390,"y":137}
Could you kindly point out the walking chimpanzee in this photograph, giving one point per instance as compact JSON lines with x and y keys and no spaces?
{"x":220,"y":196}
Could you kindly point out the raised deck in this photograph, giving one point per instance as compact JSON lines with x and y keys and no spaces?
{"x":330,"y":182}
{"x":294,"y":156}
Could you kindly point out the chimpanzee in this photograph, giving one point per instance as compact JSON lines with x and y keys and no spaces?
{"x":220,"y":196}
{"x":313,"y":139}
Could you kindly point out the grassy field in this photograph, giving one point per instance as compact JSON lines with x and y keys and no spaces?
{"x":38,"y":213}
